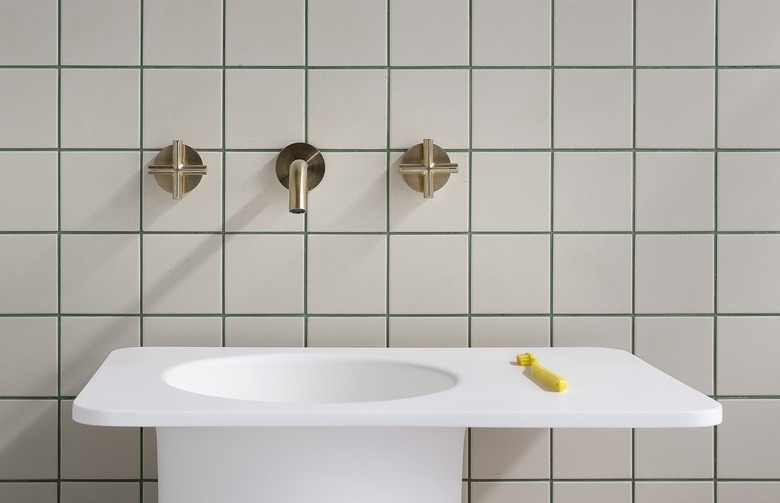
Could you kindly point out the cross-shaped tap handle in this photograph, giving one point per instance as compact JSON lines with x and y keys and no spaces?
{"x":177,"y":168}
{"x":426,"y":168}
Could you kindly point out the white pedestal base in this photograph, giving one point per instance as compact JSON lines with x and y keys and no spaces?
{"x":317,"y":465}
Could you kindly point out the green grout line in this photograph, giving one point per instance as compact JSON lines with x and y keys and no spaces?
{"x":388,"y":164}
{"x":715,"y":429}
{"x":551,"y":333}
{"x":306,"y":140}
{"x":224,"y":173}
{"x":469,"y":245}
{"x":400,"y":150}
{"x":59,"y":250}
{"x":469,"y":202}
{"x":391,"y":67}
{"x":141,"y":221}
{"x":632,"y":440}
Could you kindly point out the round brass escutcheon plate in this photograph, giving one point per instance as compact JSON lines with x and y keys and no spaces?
{"x":165,"y":158}
{"x":306,"y":152}
{"x":414,"y":156}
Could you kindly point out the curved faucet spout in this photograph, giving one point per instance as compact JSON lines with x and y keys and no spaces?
{"x":299,"y":167}
{"x":299,"y":185}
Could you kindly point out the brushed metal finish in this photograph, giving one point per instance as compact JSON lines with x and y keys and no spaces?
{"x":426,"y":167}
{"x":178,"y":169}
{"x":304,"y":165}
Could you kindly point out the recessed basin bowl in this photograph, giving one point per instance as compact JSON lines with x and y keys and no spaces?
{"x":291,"y":378}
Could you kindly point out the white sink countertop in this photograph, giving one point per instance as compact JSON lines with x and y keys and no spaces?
{"x":480,"y":387}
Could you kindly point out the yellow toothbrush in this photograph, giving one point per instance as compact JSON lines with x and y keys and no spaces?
{"x":550,"y":378}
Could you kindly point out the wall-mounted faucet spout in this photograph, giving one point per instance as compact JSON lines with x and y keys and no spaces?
{"x":300,"y":167}
{"x":299,"y":171}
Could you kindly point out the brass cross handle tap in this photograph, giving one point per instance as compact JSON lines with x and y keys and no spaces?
{"x":177,"y":168}
{"x":426,"y":168}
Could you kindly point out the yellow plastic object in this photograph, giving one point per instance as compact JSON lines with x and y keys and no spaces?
{"x":549,"y":377}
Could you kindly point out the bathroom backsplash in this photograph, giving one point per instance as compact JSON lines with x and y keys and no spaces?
{"x":618,"y":186}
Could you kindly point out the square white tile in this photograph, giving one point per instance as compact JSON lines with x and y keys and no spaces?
{"x":183,"y":32}
{"x":100,"y":108}
{"x":748,"y":108}
{"x":596,"y":33}
{"x":747,"y":352}
{"x":511,"y":33}
{"x":593,"y":109}
{"x":592,"y":191}
{"x":675,"y":32}
{"x":250,"y":331}
{"x":681,"y":346}
{"x":182,"y":331}
{"x":116,"y":492}
{"x":755,"y":492}
{"x":747,"y":32}
{"x":347,"y":32}
{"x":612,"y":332}
{"x":747,"y":447}
{"x":264,"y":274}
{"x":150,"y":492}
{"x":29,"y":439}
{"x":432,"y":33}
{"x":199,"y":210}
{"x":675,"y":108}
{"x":747,"y":191}
{"x":29,"y":191}
{"x":98,"y":453}
{"x":28,"y":362}
{"x":673,"y":453}
{"x":510,"y":331}
{"x":100,"y":273}
{"x":101,"y":33}
{"x":447,"y":211}
{"x":31,"y":267}
{"x":748,"y":274}
{"x":149,"y":455}
{"x":674,"y":274}
{"x":346,"y":274}
{"x":28,"y":101}
{"x":182,"y":273}
{"x":510,"y":274}
{"x":428,"y":332}
{"x":592,"y":492}
{"x":429,"y":104}
{"x":510,"y":108}
{"x":255,"y":200}
{"x":264,"y":32}
{"x":29,"y":492}
{"x":182,"y":104}
{"x":29,"y":33}
{"x":510,"y":191}
{"x":506,"y":492}
{"x":419,"y":285}
{"x":87,"y":341}
{"x":504,"y":453}
{"x":347,"y":108}
{"x":100,"y":191}
{"x":675,"y":191}
{"x":674,"y":492}
{"x":263,"y":108}
{"x":573,"y":445}
{"x":592,"y":273}
{"x":353,"y":195}
{"x":347,"y":332}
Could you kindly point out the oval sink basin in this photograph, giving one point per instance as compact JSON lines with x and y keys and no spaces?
{"x":308,"y":379}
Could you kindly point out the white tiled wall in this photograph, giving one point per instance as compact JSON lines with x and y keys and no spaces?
{"x":618,"y":186}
